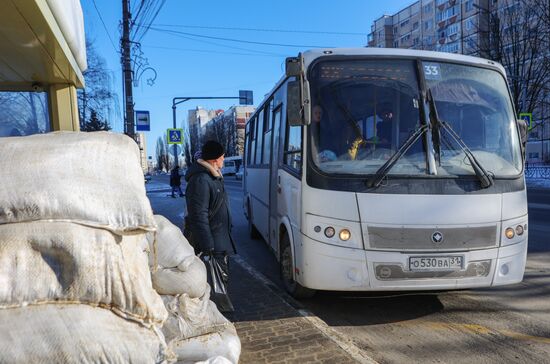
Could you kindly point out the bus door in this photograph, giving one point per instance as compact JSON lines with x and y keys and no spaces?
{"x":274,"y":179}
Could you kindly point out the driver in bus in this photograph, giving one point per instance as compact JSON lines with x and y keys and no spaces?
{"x":320,"y":136}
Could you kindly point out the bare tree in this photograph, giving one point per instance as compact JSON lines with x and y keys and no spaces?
{"x":98,"y":95}
{"x":518,"y":39}
{"x":163,"y":159}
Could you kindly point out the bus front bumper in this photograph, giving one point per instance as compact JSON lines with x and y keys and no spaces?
{"x":329,"y":267}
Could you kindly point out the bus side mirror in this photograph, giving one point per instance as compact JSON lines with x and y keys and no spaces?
{"x":294,"y":103}
{"x":522,"y":126}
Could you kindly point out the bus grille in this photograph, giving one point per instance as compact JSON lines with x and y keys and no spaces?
{"x":468,"y":238}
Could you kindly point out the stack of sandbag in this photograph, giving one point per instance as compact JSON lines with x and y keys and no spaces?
{"x":75,"y":284}
{"x":195,"y":330}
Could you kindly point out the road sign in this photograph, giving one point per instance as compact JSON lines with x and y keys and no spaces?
{"x":528,"y":117}
{"x":143,"y":122}
{"x":174,"y":136}
{"x":245,"y":97}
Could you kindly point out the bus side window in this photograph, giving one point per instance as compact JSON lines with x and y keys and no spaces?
{"x":252,"y":144}
{"x":259,"y":121}
{"x":293,"y":147}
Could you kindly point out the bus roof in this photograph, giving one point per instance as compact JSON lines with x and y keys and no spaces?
{"x":311,"y":55}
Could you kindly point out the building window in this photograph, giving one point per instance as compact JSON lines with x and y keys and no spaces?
{"x":404,"y":23}
{"x":415,"y":25}
{"x":470,"y":24}
{"x":427,"y":8}
{"x":428,"y":24}
{"x":396,"y":44}
{"x":469,"y":6}
{"x":24,"y":113}
{"x":453,"y":29}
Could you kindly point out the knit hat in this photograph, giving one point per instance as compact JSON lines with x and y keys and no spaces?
{"x":212,"y":150}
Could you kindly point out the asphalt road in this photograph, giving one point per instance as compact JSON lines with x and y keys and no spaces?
{"x":499,"y":325}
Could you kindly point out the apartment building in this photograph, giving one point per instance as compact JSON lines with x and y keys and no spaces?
{"x":454,"y":26}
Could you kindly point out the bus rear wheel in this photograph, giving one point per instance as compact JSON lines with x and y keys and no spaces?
{"x":287,"y":272}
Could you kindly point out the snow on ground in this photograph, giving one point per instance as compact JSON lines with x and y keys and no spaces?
{"x":154,"y":186}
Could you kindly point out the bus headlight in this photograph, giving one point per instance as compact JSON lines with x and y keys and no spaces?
{"x":513,"y":231}
{"x":509,"y":233}
{"x":345,"y":234}
{"x":329,"y":232}
{"x":519,"y":230}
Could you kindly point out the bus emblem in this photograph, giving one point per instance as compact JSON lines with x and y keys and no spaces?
{"x":437,"y":237}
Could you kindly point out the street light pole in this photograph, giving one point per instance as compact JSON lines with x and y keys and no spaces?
{"x":178,"y":100}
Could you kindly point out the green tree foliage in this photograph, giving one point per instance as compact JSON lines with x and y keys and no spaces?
{"x":94,"y":123}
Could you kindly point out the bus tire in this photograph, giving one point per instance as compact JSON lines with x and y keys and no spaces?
{"x":252,"y":231}
{"x":286,"y":263}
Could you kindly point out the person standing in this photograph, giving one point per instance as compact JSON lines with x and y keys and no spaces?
{"x":175,"y":181}
{"x":208,"y":214}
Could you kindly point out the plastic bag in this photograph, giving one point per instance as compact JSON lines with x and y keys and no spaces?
{"x":218,"y":276}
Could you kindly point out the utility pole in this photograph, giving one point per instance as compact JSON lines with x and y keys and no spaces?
{"x":127,"y":70}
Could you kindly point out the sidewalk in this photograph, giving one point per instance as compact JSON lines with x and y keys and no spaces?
{"x":270,"y":329}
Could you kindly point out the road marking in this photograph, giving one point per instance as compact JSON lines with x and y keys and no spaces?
{"x":339,"y":339}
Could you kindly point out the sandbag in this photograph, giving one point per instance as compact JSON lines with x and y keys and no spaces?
{"x":44,"y":262}
{"x":173,"y":281}
{"x":200,"y":348}
{"x":74,"y":333}
{"x":189,"y":317}
{"x":172,"y":247}
{"x":90,"y":178}
{"x":215,"y":360}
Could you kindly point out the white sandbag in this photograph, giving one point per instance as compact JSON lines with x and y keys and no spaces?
{"x":189,"y":317}
{"x":225,"y":343}
{"x":55,"y":333}
{"x":91,"y":178}
{"x":173,"y":281}
{"x":172,"y":246}
{"x":42,"y":262}
{"x":215,"y":360}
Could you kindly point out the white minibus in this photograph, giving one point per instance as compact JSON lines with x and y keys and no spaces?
{"x":387,"y":169}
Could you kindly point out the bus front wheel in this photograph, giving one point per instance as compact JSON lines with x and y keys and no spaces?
{"x":287,"y":272}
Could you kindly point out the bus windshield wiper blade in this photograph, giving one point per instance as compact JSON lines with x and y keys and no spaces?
{"x":485,"y":178}
{"x":383,"y":171}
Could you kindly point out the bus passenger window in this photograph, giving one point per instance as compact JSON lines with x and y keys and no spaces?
{"x":293,"y":147}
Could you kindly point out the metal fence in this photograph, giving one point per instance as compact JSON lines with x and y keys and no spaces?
{"x":533,"y":170}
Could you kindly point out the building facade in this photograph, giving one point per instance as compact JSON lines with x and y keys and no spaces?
{"x":228,"y":128}
{"x":454,"y":26}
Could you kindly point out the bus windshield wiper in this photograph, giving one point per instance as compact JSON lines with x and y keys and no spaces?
{"x":383,"y":171}
{"x":485,"y":178}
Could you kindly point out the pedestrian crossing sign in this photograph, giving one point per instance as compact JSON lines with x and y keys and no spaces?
{"x":528,"y":117}
{"x":174,"y":136}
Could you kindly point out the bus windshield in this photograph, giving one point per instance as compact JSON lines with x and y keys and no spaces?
{"x":363,"y":111}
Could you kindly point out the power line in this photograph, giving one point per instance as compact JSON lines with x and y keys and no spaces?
{"x":239,"y":40}
{"x":225,"y":45}
{"x":105,"y":27}
{"x":257,"y":29}
{"x":213,"y":52}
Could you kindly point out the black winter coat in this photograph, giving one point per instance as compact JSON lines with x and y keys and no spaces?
{"x":208,"y":212}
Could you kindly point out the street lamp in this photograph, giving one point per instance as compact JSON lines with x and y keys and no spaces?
{"x":245,"y":98}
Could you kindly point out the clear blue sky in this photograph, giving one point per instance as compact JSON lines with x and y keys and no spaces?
{"x":188,"y":65}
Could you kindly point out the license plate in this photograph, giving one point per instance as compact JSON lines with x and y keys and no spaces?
{"x":435,"y":263}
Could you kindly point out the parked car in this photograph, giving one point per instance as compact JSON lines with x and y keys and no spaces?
{"x":239,"y":174}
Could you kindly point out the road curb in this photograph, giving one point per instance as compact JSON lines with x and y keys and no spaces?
{"x":339,"y":339}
